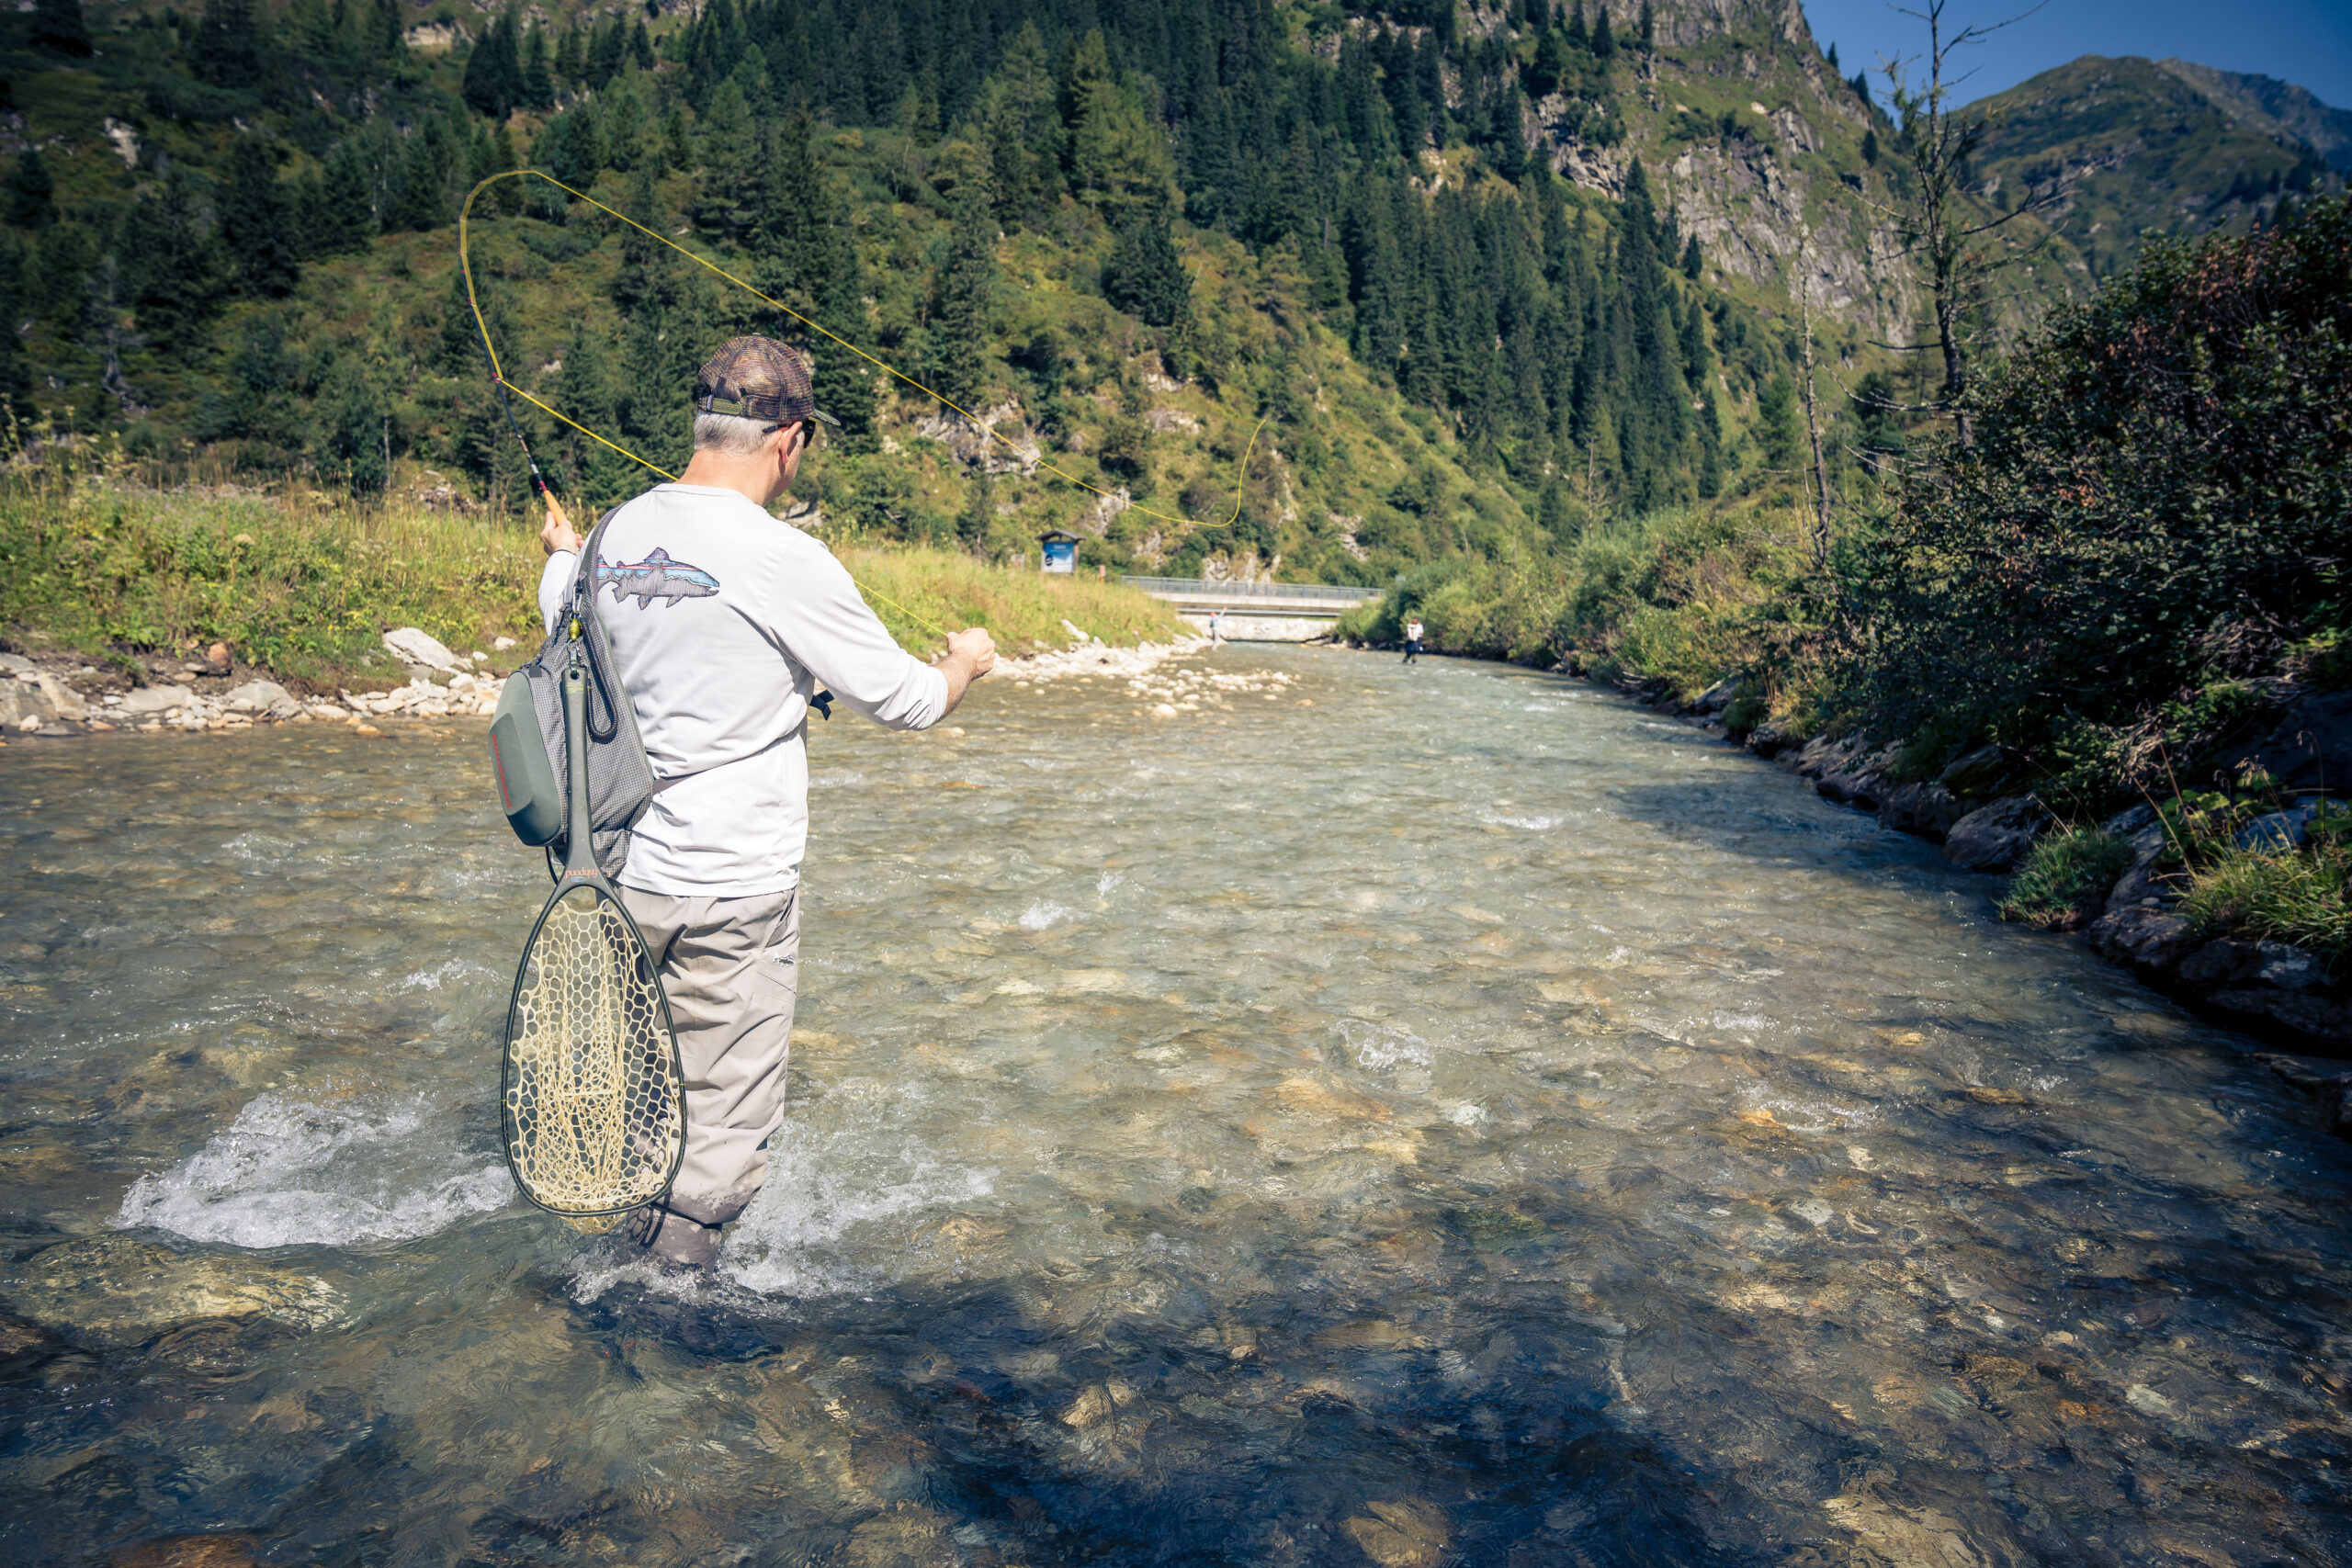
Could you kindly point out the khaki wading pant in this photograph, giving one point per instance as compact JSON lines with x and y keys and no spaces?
{"x":731,"y":969}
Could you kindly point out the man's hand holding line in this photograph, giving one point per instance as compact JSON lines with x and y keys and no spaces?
{"x":971,"y":653}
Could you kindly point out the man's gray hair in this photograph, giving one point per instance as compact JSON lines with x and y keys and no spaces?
{"x":729,"y":435}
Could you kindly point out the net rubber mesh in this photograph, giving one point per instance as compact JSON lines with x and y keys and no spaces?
{"x":594,"y":1113}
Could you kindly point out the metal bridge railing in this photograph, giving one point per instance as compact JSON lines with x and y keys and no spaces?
{"x":1194,"y":586}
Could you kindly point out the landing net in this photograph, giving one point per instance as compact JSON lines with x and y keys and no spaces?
{"x":595,"y":1115}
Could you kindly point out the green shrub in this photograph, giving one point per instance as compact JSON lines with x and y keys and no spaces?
{"x":2062,"y":882}
{"x":2298,"y":896}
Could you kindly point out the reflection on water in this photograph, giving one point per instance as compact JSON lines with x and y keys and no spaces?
{"x":1462,"y":1120}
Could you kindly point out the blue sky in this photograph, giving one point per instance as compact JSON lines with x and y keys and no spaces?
{"x":2308,"y":42}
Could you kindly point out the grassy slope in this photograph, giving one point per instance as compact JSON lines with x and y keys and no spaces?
{"x":307,"y":587}
{"x":2162,"y":155}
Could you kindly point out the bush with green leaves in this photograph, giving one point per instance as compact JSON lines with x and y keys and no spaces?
{"x":2153,"y":504}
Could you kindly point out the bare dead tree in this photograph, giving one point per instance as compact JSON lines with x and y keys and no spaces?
{"x":1821,"y":514}
{"x":1938,"y":227}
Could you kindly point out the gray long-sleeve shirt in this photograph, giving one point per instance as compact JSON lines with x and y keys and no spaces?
{"x":724,"y":623}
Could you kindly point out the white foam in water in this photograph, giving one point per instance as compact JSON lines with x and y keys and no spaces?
{"x":1042,"y":914}
{"x":810,"y":1233}
{"x":288,"y":1172}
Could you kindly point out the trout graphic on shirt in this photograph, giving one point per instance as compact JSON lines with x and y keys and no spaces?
{"x":655,"y":577}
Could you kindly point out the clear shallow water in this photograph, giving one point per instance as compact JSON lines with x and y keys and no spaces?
{"x":1467,"y":1120}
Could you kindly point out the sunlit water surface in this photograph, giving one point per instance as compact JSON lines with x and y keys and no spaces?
{"x":1465,"y":1120}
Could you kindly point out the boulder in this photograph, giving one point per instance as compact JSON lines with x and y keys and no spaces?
{"x":1717,"y":697}
{"x":1927,"y":809}
{"x":109,"y":1291}
{"x":17,"y":664}
{"x":2148,"y":939}
{"x":1859,"y":784}
{"x":2281,"y":831}
{"x":1996,"y":837}
{"x":2221,"y":963}
{"x":420,"y":649}
{"x":1767,"y":740}
{"x":63,"y":701}
{"x":1978,"y":772}
{"x":144,"y":701}
{"x":261,"y":697}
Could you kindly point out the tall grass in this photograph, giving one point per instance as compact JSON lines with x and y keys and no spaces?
{"x":1685,"y":596}
{"x":1022,"y":610}
{"x":306,"y":583}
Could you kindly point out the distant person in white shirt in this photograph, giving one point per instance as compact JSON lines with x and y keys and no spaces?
{"x":725,"y":623}
{"x":1216,"y":628}
{"x":1412,"y":639}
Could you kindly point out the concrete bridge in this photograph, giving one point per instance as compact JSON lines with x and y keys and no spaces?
{"x":1257,"y":612}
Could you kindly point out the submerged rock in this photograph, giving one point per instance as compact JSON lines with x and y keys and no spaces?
{"x":108,"y":1292}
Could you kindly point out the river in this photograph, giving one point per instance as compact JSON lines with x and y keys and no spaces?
{"x":1398,"y":1116}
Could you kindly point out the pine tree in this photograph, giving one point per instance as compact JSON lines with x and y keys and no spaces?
{"x":58,"y":29}
{"x":353,"y":425}
{"x":972,"y":524}
{"x":343,"y":216}
{"x":585,"y":390}
{"x":1021,"y":125}
{"x":1870,"y":145}
{"x":730,"y":150}
{"x":31,"y":192}
{"x":1649,"y":32}
{"x":424,"y":201}
{"x":625,"y":123}
{"x":1692,"y":260}
{"x":1145,"y":275}
{"x":571,"y":54}
{"x":1604,"y":43}
{"x":572,"y":148}
{"x":458,"y":350}
{"x":1832,"y":56}
{"x":538,"y":89}
{"x":256,"y":221}
{"x":226,"y":46}
{"x":963,"y":291}
{"x":494,"y":80}
{"x":175,"y":265}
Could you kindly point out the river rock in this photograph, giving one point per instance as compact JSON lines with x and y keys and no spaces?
{"x":2281,"y":831}
{"x":1927,"y":809}
{"x":2223,"y":962}
{"x":144,"y":702}
{"x":17,"y":664}
{"x":261,"y":697}
{"x":1996,"y":837}
{"x":2146,"y":938}
{"x":420,"y":649}
{"x":108,"y":1292}
{"x":1860,"y":781}
{"x":1976,"y":773}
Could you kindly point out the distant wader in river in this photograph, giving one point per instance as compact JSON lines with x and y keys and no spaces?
{"x":736,"y":620}
{"x":1412,"y":639}
{"x":1216,"y":628}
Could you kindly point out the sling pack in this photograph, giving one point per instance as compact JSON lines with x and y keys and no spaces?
{"x":528,"y":755}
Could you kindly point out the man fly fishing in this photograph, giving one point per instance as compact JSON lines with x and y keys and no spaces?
{"x":724,"y":624}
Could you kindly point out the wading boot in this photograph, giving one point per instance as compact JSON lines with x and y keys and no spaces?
{"x":673,"y":1239}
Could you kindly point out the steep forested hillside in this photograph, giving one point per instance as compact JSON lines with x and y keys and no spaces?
{"x":1133,"y":231}
{"x":2169,"y":149}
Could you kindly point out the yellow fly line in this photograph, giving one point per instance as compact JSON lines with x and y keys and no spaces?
{"x":498,"y":375}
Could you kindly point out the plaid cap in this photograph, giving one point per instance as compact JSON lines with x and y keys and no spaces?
{"x":758,"y":377}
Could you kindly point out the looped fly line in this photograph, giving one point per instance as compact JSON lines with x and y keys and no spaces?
{"x":465,"y":265}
